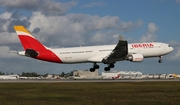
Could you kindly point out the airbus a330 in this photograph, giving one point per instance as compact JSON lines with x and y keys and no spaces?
{"x":107,"y":54}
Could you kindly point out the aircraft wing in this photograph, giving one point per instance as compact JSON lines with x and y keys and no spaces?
{"x":119,"y":53}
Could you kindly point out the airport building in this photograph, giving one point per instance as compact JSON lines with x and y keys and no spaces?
{"x":2,"y":77}
{"x":86,"y":74}
{"x":122,"y":75}
{"x":113,"y":74}
{"x":136,"y":75}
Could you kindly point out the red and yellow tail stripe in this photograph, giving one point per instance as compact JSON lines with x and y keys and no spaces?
{"x":20,"y":30}
{"x":30,"y":43}
{"x":27,"y":40}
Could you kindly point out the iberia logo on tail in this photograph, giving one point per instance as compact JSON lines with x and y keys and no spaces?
{"x":33,"y":48}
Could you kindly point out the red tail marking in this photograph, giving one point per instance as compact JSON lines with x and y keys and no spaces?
{"x":48,"y":55}
{"x":30,"y":43}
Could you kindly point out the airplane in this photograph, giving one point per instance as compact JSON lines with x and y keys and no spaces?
{"x":116,"y":77}
{"x":107,"y":54}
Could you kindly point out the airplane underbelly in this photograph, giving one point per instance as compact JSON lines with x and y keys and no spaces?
{"x":74,"y":58}
{"x":150,"y":53}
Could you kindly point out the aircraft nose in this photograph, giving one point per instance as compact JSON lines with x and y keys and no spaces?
{"x":170,"y":49}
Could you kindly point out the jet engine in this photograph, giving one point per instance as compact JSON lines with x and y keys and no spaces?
{"x":135,"y":58}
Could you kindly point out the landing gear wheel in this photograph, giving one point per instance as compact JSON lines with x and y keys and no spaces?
{"x":92,"y":69}
{"x":111,"y":65}
{"x":96,"y":66}
{"x":106,"y":68}
{"x":160,"y":61}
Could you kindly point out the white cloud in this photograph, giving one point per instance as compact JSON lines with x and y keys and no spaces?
{"x":150,"y":34}
{"x":7,"y":38}
{"x":55,"y":8}
{"x":93,"y":4}
{"x":66,"y":30}
{"x":6,"y":35}
{"x":5,"y":15}
{"x":98,"y":23}
{"x":77,"y":29}
{"x":128,"y":26}
{"x":47,"y":7}
{"x":100,"y":38}
{"x":71,"y":29}
{"x":174,"y":43}
{"x":178,"y":1}
{"x":5,"y":52}
{"x":176,"y":53}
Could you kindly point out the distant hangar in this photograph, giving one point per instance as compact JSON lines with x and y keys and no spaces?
{"x":9,"y":77}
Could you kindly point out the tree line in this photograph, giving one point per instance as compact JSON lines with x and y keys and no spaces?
{"x":34,"y":74}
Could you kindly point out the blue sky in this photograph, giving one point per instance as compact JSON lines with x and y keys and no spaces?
{"x":68,"y":23}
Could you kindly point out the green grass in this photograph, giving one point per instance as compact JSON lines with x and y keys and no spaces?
{"x":140,"y":93}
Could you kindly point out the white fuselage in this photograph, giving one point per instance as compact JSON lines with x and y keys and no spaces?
{"x":97,"y":53}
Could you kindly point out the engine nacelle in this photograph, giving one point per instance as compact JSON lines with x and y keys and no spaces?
{"x":135,"y":58}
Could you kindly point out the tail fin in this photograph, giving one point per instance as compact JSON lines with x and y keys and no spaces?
{"x":27,"y":40}
{"x":33,"y":48}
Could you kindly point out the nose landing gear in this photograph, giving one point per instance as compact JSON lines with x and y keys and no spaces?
{"x":160,"y":59}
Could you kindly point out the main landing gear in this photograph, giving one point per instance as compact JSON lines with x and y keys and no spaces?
{"x":111,"y":65}
{"x":160,"y":59}
{"x":95,"y":66}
